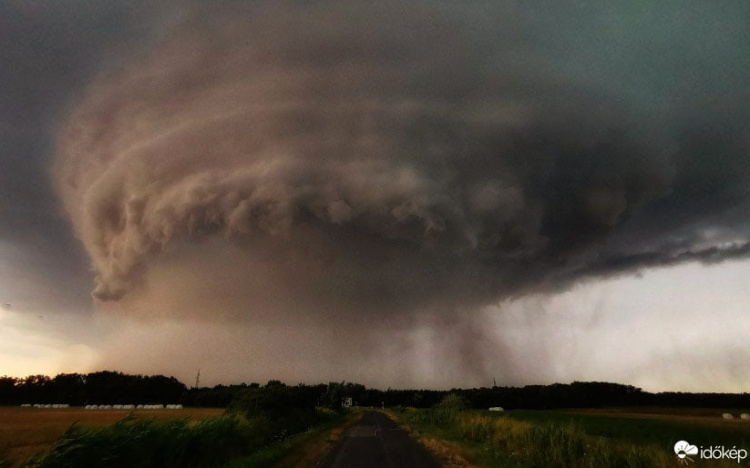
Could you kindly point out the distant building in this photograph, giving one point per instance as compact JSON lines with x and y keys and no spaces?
{"x":346,"y":402}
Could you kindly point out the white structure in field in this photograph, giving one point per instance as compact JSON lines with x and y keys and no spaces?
{"x":346,"y":402}
{"x":153,"y":407}
{"x":117,"y":407}
{"x":745,"y":416}
{"x":496,"y":408}
{"x":53,"y":406}
{"x":727,"y":416}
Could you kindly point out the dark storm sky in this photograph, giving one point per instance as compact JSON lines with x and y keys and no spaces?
{"x":291,"y":164}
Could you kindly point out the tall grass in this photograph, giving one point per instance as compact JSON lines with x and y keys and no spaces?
{"x":549,"y":445}
{"x":144,"y":443}
{"x":258,"y":422}
{"x":149,"y":443}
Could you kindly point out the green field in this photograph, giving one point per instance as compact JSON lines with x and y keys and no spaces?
{"x":661,"y":426}
{"x":641,"y":437}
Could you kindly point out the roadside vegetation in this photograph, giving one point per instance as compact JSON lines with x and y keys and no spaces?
{"x":27,"y":431}
{"x":557,"y":439}
{"x":258,"y":429}
{"x":231,"y":440}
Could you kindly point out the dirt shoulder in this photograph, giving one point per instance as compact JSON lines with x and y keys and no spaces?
{"x":312,"y":451}
{"x":449,"y":454}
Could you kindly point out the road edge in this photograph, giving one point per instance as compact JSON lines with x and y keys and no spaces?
{"x":448,"y":454}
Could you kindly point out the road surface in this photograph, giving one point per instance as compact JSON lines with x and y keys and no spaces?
{"x":376,"y":441}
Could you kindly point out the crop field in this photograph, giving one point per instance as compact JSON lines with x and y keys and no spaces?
{"x":638,"y":437}
{"x":661,"y":426}
{"x":26,"y":431}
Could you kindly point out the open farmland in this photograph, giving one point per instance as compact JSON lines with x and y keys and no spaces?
{"x":603,"y":437}
{"x":661,"y":426}
{"x":27,"y":431}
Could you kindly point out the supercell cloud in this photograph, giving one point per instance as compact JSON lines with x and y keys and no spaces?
{"x":408,"y":193}
{"x":394,"y":156}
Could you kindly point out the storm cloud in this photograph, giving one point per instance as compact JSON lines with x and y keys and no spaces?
{"x":390,"y":155}
{"x":337,"y":186}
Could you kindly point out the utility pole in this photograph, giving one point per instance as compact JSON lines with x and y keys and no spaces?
{"x":198,"y":379}
{"x":494,"y":382}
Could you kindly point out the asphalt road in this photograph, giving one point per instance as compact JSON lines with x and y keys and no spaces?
{"x":376,"y":441}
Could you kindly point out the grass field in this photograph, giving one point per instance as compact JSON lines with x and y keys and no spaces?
{"x":27,"y":431}
{"x":660,"y":426}
{"x":638,"y":437}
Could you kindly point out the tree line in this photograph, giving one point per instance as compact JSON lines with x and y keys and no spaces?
{"x":108,"y":387}
{"x":105,"y":387}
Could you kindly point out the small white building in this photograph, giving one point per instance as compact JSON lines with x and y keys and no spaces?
{"x":346,"y":402}
{"x":727,"y":416}
{"x":496,"y":408}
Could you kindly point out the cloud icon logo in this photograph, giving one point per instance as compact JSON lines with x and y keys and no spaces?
{"x":682,"y":448}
